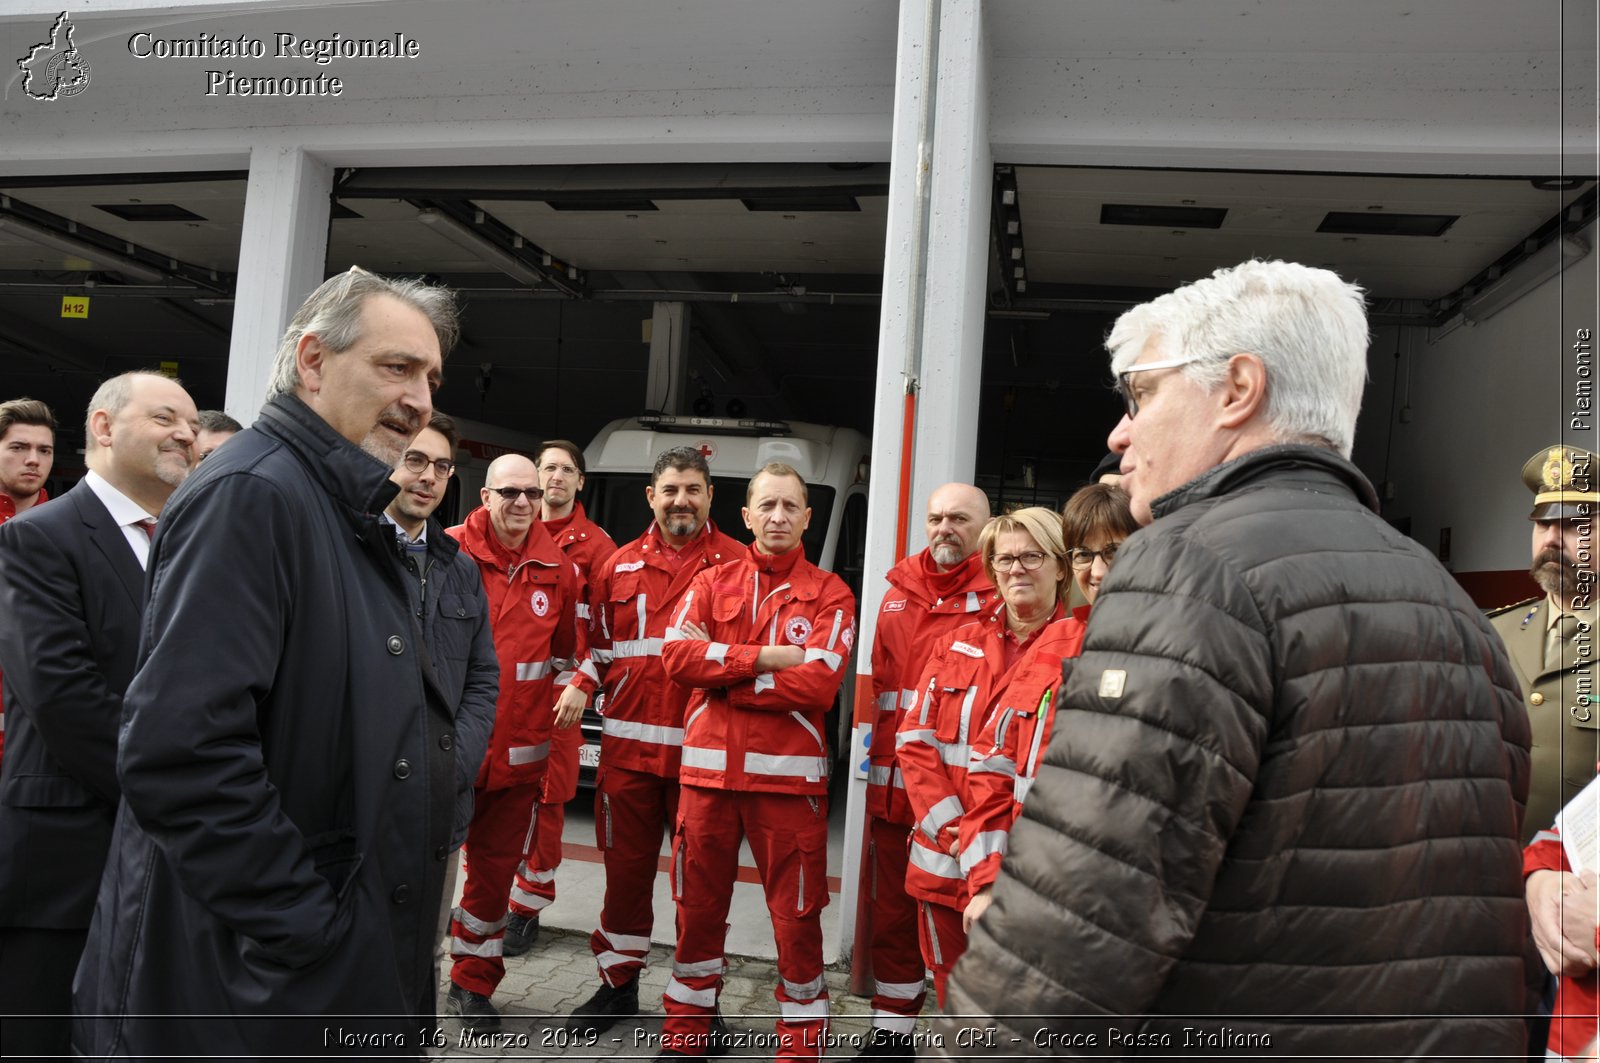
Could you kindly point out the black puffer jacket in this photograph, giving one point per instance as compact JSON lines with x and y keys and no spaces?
{"x":1283,"y":793}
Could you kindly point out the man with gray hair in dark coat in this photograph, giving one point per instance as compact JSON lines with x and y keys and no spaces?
{"x":286,"y":756}
{"x":1280,"y":810}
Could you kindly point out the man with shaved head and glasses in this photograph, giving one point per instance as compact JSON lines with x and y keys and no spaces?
{"x":545,"y":679}
{"x":1279,"y":813}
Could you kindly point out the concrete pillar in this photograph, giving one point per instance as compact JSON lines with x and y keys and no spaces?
{"x":930,"y":331}
{"x":955,"y":283}
{"x":667,"y":379}
{"x":283,"y":252}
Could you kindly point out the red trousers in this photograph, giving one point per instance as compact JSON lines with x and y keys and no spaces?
{"x":497,"y":841}
{"x":788,"y":835}
{"x":899,"y":975}
{"x":942,"y":939}
{"x":534,"y":888}
{"x":633,"y":811}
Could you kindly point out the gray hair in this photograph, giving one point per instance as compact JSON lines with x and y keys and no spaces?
{"x":1308,"y":327}
{"x":111,"y":396}
{"x":333,"y":314}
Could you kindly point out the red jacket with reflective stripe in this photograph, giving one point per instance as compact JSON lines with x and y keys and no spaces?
{"x":586,"y":545}
{"x":634,"y":593}
{"x":1005,"y":756}
{"x":957,"y":693}
{"x":760,"y":731}
{"x":913,"y":623}
{"x":539,"y":643}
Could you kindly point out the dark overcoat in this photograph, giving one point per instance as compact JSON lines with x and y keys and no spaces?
{"x":281,"y":844}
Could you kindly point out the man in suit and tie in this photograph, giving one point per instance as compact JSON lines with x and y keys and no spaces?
{"x":71,"y":601}
{"x":1551,"y":638}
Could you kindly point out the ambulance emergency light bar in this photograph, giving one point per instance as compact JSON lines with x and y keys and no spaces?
{"x":666,"y":422}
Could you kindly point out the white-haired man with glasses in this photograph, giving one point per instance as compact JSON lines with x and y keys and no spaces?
{"x":1279,"y":812}
{"x":533,"y":594}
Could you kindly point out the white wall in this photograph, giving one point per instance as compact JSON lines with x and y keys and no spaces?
{"x":1483,"y":399}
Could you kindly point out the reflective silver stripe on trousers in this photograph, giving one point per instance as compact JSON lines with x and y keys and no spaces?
{"x":528,"y":900}
{"x":933,"y":931}
{"x":803,"y":990}
{"x":642,"y":732}
{"x":528,"y":754}
{"x":894,"y":1023}
{"x":527,"y":671}
{"x":898,"y":990}
{"x":477,"y":926}
{"x":940,"y":865}
{"x":701,"y":757}
{"x":792,"y":1011}
{"x":636,"y":648}
{"x":988,"y":843}
{"x":697,"y":968}
{"x":695,"y":998}
{"x":492,"y":947}
{"x":635,"y":942}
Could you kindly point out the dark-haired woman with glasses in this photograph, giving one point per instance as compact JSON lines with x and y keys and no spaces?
{"x":1005,"y":757}
{"x":1026,"y":559}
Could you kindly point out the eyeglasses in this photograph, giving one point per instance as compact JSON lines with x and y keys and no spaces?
{"x":1031,"y":561}
{"x":510,"y":493}
{"x":416,"y":461}
{"x":564,"y":470}
{"x":1123,"y":388}
{"x":1082,"y":559}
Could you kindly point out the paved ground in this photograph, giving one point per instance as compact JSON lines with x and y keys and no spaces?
{"x":543,"y":986}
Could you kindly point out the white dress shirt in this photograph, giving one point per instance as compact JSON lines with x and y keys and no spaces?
{"x":126,"y":512}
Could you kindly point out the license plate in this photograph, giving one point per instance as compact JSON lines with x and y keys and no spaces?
{"x":589,"y":755}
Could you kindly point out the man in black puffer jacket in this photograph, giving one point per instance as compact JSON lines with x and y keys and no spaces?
{"x":1280,"y":811}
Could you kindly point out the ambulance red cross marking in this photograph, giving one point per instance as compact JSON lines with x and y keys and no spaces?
{"x":706,"y":449}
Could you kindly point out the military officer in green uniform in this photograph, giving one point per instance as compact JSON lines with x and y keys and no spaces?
{"x":1552,"y":638}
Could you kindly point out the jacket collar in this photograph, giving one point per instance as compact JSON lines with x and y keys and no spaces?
{"x":538,"y":547}
{"x":349,"y":474}
{"x":1313,"y":465}
{"x":910,"y":576}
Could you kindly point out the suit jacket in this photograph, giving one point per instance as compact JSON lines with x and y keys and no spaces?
{"x":1561,"y":706}
{"x":71,"y":597}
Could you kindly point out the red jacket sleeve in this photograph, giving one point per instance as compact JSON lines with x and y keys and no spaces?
{"x":934,"y":799}
{"x":813,"y":684}
{"x":571,"y":641}
{"x":991,"y":787}
{"x":701,"y":664}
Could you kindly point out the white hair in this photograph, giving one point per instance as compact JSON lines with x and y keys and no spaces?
{"x":1308,"y":327}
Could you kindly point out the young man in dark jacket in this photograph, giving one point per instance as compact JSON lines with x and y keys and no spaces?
{"x":1280,"y":810}
{"x":287,"y":819}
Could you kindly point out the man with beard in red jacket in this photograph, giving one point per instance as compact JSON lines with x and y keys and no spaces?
{"x":763,"y":640}
{"x":633,"y":596}
{"x":561,"y":470}
{"x":931,"y":594}
{"x":533,"y":596}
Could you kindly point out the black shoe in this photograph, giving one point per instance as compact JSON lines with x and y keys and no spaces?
{"x":477,"y":1014}
{"x":721,"y":1039}
{"x":521,"y":932}
{"x":600,"y":1012}
{"x":886,"y":1044}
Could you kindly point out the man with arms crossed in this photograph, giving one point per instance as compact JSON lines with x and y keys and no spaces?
{"x":561,"y":469}
{"x":763,"y":640}
{"x":634,"y":594}
{"x":71,"y":597}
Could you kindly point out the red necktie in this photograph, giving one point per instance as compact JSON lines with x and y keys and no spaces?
{"x":146,"y":526}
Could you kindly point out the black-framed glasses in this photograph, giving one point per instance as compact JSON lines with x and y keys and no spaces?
{"x":1084,"y":559}
{"x":1124,"y":389}
{"x":1031,"y":561}
{"x":416,"y":461}
{"x":510,"y":493}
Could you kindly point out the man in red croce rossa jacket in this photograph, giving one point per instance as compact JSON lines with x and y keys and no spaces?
{"x":533,"y":598}
{"x":930,"y":595}
{"x":633,"y":596}
{"x":763,"y":640}
{"x":561,"y":470}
